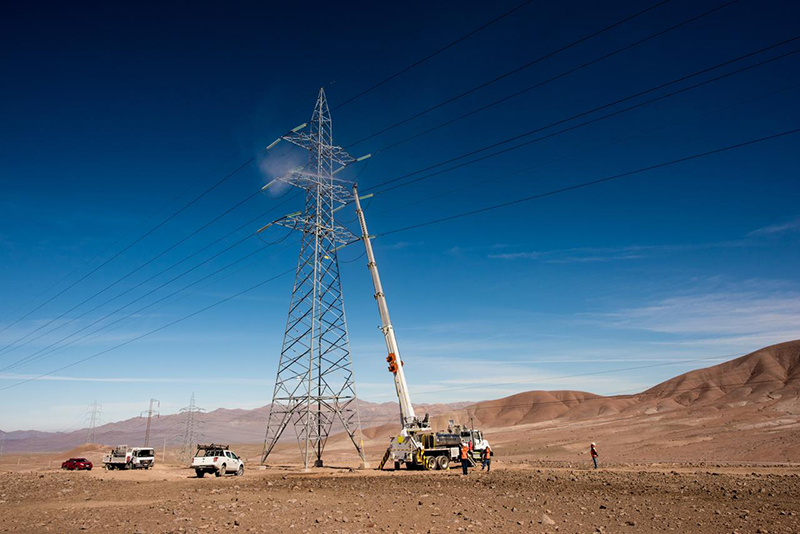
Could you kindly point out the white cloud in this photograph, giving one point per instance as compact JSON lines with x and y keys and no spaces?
{"x":606,"y":254}
{"x":776,"y":229}
{"x":740,"y":316}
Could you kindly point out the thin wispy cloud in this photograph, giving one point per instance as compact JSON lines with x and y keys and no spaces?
{"x":792,"y":226}
{"x":744,"y":315}
{"x":609,"y":254}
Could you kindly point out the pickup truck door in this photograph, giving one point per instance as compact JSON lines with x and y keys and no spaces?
{"x":229,"y":462}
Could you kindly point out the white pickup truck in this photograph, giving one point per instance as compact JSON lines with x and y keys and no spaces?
{"x":216,"y":459}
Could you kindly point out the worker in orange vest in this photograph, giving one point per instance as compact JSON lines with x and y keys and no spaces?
{"x":487,"y":458}
{"x":464,"y":458}
{"x":594,"y":453}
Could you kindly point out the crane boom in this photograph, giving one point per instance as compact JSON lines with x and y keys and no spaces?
{"x":407,"y":416}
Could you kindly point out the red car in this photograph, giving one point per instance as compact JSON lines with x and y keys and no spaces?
{"x":77,"y":463}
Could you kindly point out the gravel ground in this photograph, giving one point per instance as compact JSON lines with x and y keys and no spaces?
{"x":509,"y":499}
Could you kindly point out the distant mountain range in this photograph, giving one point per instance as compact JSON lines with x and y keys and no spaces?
{"x":221,"y":426}
{"x":762,"y":387}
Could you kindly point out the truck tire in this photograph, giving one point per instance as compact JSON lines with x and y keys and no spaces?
{"x":443,"y":462}
{"x":430,"y":463}
{"x":397,"y":466}
{"x":200,"y":473}
{"x":221,"y":471}
{"x":240,"y":471}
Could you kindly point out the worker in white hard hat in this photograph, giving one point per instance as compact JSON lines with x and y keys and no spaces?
{"x":487,"y":457}
{"x":594,"y":453}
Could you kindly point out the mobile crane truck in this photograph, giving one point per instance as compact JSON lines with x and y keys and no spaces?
{"x":417,"y":445}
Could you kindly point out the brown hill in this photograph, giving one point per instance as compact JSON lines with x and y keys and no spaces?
{"x":221,"y":425}
{"x":766,"y":375}
{"x":747,"y":408}
{"x":744,"y":410}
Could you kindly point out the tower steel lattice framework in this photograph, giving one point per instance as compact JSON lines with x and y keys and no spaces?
{"x":190,"y":435}
{"x":315,"y":385}
{"x":94,"y":420}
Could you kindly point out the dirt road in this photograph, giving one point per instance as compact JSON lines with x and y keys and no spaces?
{"x":510,"y":499}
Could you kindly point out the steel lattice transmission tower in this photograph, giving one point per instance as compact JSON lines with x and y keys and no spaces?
{"x":315,"y":384}
{"x":94,"y":419}
{"x":150,"y":413}
{"x":189,"y":434}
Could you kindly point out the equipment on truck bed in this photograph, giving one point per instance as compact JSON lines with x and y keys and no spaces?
{"x":417,"y":445}
{"x":217,"y":459}
{"x":124,"y":457}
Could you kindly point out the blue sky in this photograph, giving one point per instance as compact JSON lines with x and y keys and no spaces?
{"x":109,"y":113}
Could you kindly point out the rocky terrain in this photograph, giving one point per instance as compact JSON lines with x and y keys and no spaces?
{"x":509,"y":499}
{"x":713,"y":450}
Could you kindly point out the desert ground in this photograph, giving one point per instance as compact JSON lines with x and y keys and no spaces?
{"x":714,"y":450}
{"x":512,"y":498}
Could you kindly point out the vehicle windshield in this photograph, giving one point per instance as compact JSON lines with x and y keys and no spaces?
{"x":144,"y":453}
{"x":214,"y":453}
{"x":80,"y":459}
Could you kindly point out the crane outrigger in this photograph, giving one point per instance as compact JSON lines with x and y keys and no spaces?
{"x":417,"y":445}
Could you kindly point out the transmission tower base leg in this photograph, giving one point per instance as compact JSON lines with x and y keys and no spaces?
{"x":364,"y":465}
{"x":318,"y":463}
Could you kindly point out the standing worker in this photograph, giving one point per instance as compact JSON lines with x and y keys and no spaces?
{"x":487,"y":458}
{"x":593,"y":452}
{"x":464,"y":458}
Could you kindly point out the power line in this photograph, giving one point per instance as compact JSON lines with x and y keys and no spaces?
{"x":250,"y":222}
{"x":472,"y":212}
{"x":110,"y":326}
{"x":87,"y":262}
{"x":351,"y":99}
{"x":553,"y":78}
{"x":224,"y":179}
{"x":513,"y":71}
{"x":37,"y":356}
{"x":572,"y":155}
{"x":128,"y":247}
{"x":593,"y":110}
{"x":433,"y":54}
{"x":11,"y":347}
{"x":102,"y":318}
{"x":120,"y":322}
{"x":151,"y":332}
{"x":593,"y":182}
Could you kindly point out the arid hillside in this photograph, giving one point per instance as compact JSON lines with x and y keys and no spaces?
{"x":743,"y":410}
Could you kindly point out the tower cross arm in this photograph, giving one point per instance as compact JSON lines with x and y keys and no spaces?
{"x":318,"y":143}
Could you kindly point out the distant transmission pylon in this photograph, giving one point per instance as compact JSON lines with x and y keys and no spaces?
{"x":149,"y":413}
{"x":315,"y":384}
{"x":94,"y":419}
{"x":189,"y":435}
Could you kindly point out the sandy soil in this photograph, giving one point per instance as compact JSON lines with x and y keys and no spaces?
{"x":512,"y":498}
